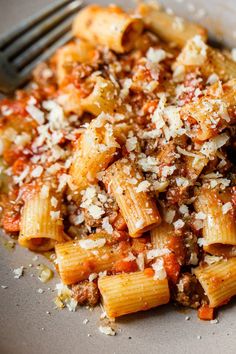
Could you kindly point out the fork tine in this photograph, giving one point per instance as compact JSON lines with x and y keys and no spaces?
{"x":28,"y":55}
{"x":26,"y":72}
{"x":31,"y":21}
{"x":37,"y":32}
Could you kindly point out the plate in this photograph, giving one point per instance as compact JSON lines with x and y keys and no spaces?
{"x":30,"y":324}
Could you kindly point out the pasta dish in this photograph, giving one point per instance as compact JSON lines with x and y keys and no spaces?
{"x":120,"y":158}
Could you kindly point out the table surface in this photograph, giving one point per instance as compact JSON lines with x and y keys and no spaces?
{"x":26,"y":328}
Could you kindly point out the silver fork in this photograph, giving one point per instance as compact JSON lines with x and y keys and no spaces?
{"x":33,"y":41}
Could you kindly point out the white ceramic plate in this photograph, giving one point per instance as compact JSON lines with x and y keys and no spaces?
{"x":25,"y":326}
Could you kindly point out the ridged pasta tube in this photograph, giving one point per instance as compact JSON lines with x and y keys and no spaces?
{"x":218,"y":281}
{"x":41,"y":225}
{"x":168,"y":27}
{"x":137,"y":206}
{"x":133,"y":292}
{"x":108,"y":26}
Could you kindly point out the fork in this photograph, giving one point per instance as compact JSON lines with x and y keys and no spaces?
{"x":34,"y":41}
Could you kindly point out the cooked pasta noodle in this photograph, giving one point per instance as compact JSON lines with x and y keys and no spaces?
{"x":107,"y":26}
{"x":218,"y":281}
{"x":128,"y":293}
{"x":219,"y":230}
{"x":168,"y":27}
{"x":138,"y":208}
{"x":41,"y":225}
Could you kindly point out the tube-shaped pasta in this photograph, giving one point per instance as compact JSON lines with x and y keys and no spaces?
{"x":195,"y":165}
{"x":160,"y":236}
{"x":219,"y":64}
{"x":108,"y":26}
{"x":168,"y":27}
{"x":70,"y":100}
{"x":121,"y":131}
{"x":94,"y":151}
{"x":219,"y":230}
{"x":210,"y":60}
{"x":72,"y":53}
{"x":103,"y":97}
{"x":78,"y":259}
{"x":218,"y":101}
{"x":41,"y":225}
{"x":137,"y":207}
{"x":128,"y":293}
{"x":218,"y":281}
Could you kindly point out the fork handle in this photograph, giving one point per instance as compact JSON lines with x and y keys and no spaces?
{"x":7,"y":75}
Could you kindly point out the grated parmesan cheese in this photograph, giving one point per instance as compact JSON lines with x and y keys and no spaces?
{"x":156,"y":55}
{"x":131,"y":143}
{"x":18,"y":272}
{"x":157,"y":253}
{"x":188,"y":153}
{"x":212,"y":259}
{"x":198,"y":224}
{"x":44,"y":193}
{"x":89,"y":244}
{"x":143,"y":186}
{"x":37,"y":171}
{"x":107,"y":330}
{"x":139,"y":224}
{"x":54,"y":202}
{"x":179,"y":224}
{"x":92,"y":277}
{"x":227,"y":207}
{"x":169,"y":215}
{"x":202,"y":242}
{"x":36,"y":114}
{"x":107,"y":226}
{"x":56,"y":117}
{"x":159,"y":270}
{"x":130,"y":257}
{"x":184,"y":209}
{"x":77,"y":219}
{"x":95,"y":211}
{"x":212,"y":79}
{"x":55,"y":215}
{"x":20,"y":179}
{"x":194,"y":53}
{"x":212,"y":145}
{"x":200,"y":216}
{"x":22,"y":139}
{"x":140,"y":261}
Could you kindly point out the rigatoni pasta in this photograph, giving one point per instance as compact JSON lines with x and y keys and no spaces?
{"x":109,"y":27}
{"x":161,"y":235}
{"x":219,"y":229}
{"x":210,"y":60}
{"x":128,"y":293}
{"x":94,"y":151}
{"x":41,"y":225}
{"x":103,"y":97}
{"x":218,"y":102}
{"x":168,"y":27}
{"x":71,"y":54}
{"x":218,"y":281}
{"x":137,"y":207}
{"x":77,"y":260}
